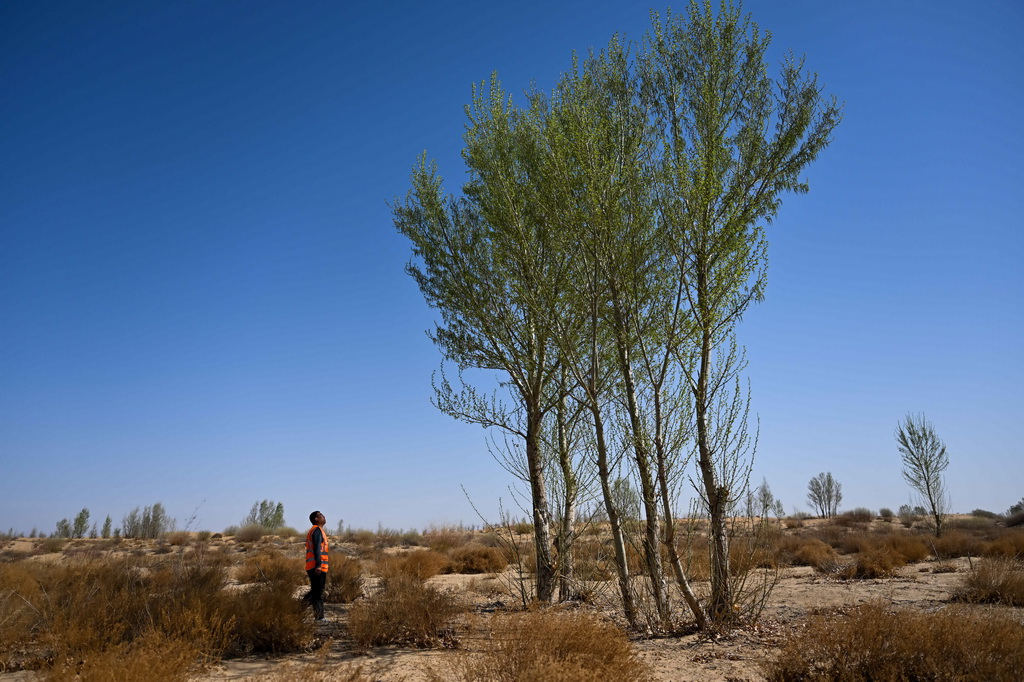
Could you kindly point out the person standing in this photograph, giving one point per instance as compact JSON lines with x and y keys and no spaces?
{"x":317,"y":564}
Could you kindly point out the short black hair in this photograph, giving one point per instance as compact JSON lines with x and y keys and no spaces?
{"x":313,"y":515}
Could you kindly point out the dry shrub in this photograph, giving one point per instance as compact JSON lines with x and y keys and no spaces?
{"x":403,"y":611}
{"x":446,"y":538}
{"x":180,"y":538}
{"x":344,"y":581}
{"x":807,"y":552}
{"x":957,"y":544}
{"x":1008,"y":544}
{"x":93,"y":611}
{"x":271,"y":565}
{"x":995,"y":580}
{"x":152,"y":657}
{"x":944,"y":567}
{"x":878,"y":562}
{"x":266,"y":618}
{"x":874,"y":642}
{"x":476,"y":558}
{"x":420,"y":564}
{"x":250,"y":533}
{"x":855,"y":518}
{"x":552,"y":645}
{"x":593,"y":561}
{"x":912,"y":548}
{"x":793,"y":522}
{"x":1013,"y":520}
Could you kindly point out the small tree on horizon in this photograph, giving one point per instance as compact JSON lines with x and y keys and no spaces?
{"x":924,"y":459}
{"x":266,"y":514}
{"x":824,"y":494}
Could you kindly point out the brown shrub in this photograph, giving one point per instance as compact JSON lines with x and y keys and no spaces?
{"x":793,"y":522}
{"x":180,"y":538}
{"x":272,"y":566}
{"x":876,"y":562}
{"x":446,"y":538}
{"x":475,"y":558}
{"x":912,"y":548}
{"x":152,"y":656}
{"x":250,"y":533}
{"x":420,"y":564}
{"x":1009,"y":543}
{"x":344,"y":580}
{"x":807,"y":552}
{"x":551,"y":645}
{"x":859,"y":518}
{"x":266,"y":618}
{"x":995,"y":580}
{"x":874,"y":642}
{"x":594,"y":560}
{"x":403,"y":611}
{"x":957,"y":543}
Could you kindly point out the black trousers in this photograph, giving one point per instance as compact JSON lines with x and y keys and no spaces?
{"x":317,"y":581}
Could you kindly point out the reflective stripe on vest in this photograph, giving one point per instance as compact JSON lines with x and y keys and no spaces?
{"x":310,"y":561}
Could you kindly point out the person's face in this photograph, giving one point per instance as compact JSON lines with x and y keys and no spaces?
{"x":321,"y":519}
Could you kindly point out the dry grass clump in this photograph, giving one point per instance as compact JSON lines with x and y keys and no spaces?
{"x":551,"y":645}
{"x":855,"y":518}
{"x":271,"y":566}
{"x":446,"y":538}
{"x":403,"y":611}
{"x":82,"y":616}
{"x":804,"y":551}
{"x":419,"y":564}
{"x":476,"y":558}
{"x":995,"y":580}
{"x":874,"y":642}
{"x":151,"y":657}
{"x":957,"y":543}
{"x":344,"y":581}
{"x":877,"y":562}
{"x":1009,"y":543}
{"x":250,"y":533}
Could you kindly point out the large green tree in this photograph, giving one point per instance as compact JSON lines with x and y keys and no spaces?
{"x":608,"y":241}
{"x":732,"y":142}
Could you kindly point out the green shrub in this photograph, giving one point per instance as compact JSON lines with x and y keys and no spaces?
{"x":875,"y":642}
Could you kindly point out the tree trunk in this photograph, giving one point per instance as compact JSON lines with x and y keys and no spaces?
{"x":541,"y":508}
{"x":566,"y":536}
{"x":618,"y":542}
{"x":717,"y":496}
{"x":652,"y":534}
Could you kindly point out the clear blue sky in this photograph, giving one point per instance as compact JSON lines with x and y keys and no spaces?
{"x":202,"y":294}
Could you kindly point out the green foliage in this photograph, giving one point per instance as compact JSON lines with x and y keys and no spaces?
{"x":63,"y":529}
{"x":105,"y":533}
{"x":151,"y":523}
{"x":81,"y":524}
{"x":267,"y":514}
{"x":1016,"y":508}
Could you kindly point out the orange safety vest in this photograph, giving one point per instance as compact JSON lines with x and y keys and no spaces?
{"x":310,"y":561}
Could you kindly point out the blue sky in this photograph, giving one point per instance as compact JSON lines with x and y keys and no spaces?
{"x":202,"y":297}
